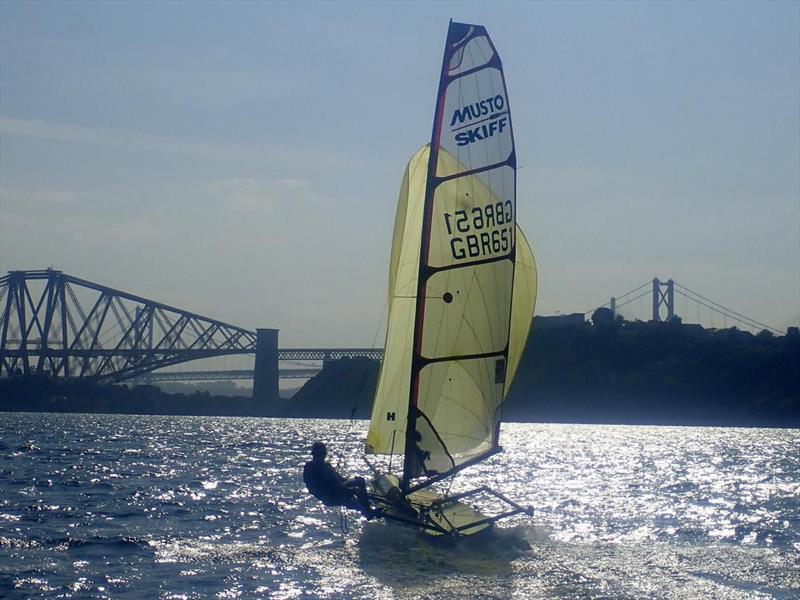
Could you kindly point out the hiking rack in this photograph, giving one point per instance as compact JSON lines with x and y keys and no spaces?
{"x":427,"y":523}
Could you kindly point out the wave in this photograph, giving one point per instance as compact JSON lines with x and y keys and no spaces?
{"x":389,"y":551}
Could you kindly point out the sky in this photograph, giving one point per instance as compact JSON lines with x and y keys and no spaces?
{"x":243,"y":160}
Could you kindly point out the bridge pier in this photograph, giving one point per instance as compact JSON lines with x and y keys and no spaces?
{"x":265,"y":376}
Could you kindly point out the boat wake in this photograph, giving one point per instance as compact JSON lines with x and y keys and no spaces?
{"x":392,"y":553}
{"x":535,"y":534}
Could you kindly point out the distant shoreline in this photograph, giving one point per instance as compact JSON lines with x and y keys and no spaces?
{"x":615,"y":373}
{"x":85,"y":398}
{"x":365,"y":421}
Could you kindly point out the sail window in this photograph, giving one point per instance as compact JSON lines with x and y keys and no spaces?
{"x":475,"y":53}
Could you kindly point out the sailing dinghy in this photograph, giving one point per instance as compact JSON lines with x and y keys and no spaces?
{"x":462,"y":288}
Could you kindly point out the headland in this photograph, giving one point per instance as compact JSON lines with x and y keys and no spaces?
{"x":571,"y":372}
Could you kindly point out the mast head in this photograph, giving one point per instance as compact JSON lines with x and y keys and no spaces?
{"x":457,"y":31}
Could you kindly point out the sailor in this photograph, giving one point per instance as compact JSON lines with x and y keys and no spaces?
{"x":324,"y":483}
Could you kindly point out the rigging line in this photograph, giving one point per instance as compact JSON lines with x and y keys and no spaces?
{"x":449,"y":485}
{"x":380,"y":323}
{"x":725,"y":308}
{"x":343,"y":522}
{"x":391,"y":451}
{"x":743,"y":320}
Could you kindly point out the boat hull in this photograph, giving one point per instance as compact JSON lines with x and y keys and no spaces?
{"x":434,"y":513}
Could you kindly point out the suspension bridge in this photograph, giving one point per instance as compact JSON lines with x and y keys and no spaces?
{"x":56,"y":324}
{"x":662,"y":295}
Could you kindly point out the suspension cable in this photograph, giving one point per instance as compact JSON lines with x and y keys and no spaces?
{"x":636,"y":289}
{"x":723,"y":309}
{"x":642,"y":295}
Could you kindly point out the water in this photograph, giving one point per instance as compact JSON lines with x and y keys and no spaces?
{"x":195,"y":507}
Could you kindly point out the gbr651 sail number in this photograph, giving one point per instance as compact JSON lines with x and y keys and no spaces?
{"x":482,"y":232}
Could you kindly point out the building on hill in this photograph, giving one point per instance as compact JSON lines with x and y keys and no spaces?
{"x":559,"y":321}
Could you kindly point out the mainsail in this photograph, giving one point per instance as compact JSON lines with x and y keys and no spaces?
{"x":462,"y":277}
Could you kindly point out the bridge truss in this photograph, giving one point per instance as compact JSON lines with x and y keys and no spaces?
{"x":296,"y":364}
{"x":65,"y":326}
{"x":224,"y":375}
{"x":326,"y":354}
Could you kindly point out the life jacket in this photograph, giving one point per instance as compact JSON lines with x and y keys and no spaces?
{"x":325,"y":484}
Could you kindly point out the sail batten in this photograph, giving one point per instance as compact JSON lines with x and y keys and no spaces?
{"x":449,"y":353}
{"x":463,"y":356}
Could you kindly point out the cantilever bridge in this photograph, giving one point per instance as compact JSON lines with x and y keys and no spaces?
{"x":61,"y":325}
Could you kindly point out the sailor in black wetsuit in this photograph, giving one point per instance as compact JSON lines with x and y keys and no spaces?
{"x":332,"y":489}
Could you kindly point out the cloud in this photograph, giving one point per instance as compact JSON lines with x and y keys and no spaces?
{"x":247,"y":194}
{"x":116,"y":137}
{"x":13,"y":222}
{"x":25,"y":197}
{"x":79,"y":134}
{"x":134,"y":230}
{"x":81,"y":231}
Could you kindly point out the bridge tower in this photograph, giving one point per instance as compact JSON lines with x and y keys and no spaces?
{"x":265,"y":376}
{"x":663,"y":295}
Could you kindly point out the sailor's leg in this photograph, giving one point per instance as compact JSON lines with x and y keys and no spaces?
{"x":358,"y":487}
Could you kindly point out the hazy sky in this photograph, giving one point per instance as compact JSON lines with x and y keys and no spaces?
{"x":243,"y":160}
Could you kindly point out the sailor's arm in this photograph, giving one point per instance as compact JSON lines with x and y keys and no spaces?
{"x":331,"y":475}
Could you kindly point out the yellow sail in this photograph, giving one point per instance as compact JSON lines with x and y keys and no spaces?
{"x":455,"y":332}
{"x":522,"y":306}
{"x":390,"y":407}
{"x":470,"y":319}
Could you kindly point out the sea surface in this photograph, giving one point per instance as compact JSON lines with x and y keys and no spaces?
{"x":204,"y":507}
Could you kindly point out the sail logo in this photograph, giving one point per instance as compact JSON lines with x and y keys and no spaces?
{"x":479,"y":120}
{"x":476,"y":110}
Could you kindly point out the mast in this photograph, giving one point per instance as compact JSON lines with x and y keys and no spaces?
{"x":479,"y":156}
{"x":430,"y":186}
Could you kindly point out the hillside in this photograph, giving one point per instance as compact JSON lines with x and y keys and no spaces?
{"x":613,"y":372}
{"x":617,"y":373}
